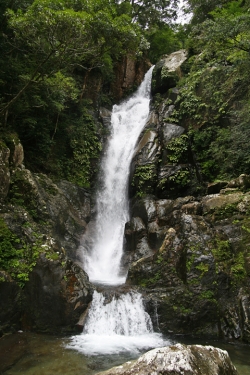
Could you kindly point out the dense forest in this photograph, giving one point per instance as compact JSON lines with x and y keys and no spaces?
{"x":51,"y":50}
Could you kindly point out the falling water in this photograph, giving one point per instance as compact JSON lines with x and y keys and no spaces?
{"x":121,"y":324}
{"x":103,"y":262}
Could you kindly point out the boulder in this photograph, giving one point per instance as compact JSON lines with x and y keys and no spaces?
{"x":167,"y":71}
{"x":178,"y":360}
{"x":55,"y":297}
{"x":242,"y":182}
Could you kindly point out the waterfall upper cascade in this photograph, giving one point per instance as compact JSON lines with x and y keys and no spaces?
{"x":121,"y":324}
{"x":103,"y":261}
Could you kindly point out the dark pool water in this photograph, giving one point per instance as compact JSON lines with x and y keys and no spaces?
{"x":29,"y":354}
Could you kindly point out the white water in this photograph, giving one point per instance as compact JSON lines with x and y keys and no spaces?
{"x":103,"y":262}
{"x":121,"y":325}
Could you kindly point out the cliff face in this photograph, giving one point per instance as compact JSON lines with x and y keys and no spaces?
{"x":188,"y":241}
{"x":41,"y":222}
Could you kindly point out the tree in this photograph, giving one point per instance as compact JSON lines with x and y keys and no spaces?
{"x":201,"y":9}
{"x":52,"y":38}
{"x":150,"y":13}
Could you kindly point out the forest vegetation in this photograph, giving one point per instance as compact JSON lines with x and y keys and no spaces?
{"x":50,"y":48}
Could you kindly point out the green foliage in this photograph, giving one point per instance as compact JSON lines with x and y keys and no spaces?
{"x":85,"y":145}
{"x":203,"y":268}
{"x":50,"y":52}
{"x":238,"y":270}
{"x":226,"y":211}
{"x":16,"y":256}
{"x":222,"y":251}
{"x":151,"y":280}
{"x":207,"y":295}
{"x":144,"y":179}
{"x":177,"y":149}
{"x":214,"y":94}
{"x":150,"y":13}
{"x":163,"y":40}
{"x":181,"y":178}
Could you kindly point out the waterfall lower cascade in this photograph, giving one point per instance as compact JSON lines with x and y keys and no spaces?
{"x":120,"y":324}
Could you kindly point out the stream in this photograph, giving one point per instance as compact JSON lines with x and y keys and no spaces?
{"x":30,"y":353}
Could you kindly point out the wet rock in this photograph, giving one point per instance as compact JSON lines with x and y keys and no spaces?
{"x":244,"y":300}
{"x":12,"y":349}
{"x":17,"y":154}
{"x":199,"y":263}
{"x":147,"y":149}
{"x":105,"y":115}
{"x":11,"y":298}
{"x":135,"y":232}
{"x":55,"y":296}
{"x":178,"y":359}
{"x":65,"y":208}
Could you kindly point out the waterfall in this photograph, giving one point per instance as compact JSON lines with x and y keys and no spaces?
{"x":121,"y":323}
{"x":103,"y":261}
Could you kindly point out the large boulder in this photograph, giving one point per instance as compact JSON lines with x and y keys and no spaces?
{"x":52,"y":300}
{"x":167,"y":71}
{"x":56,"y":295}
{"x":178,"y":360}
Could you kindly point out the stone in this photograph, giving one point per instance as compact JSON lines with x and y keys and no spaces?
{"x":178,"y":360}
{"x":171,"y":131}
{"x":215,"y":187}
{"x":17,"y":155}
{"x":4,"y":171}
{"x":244,"y":300}
{"x":215,"y":201}
{"x":242,"y":182}
{"x":56,"y":296}
{"x":167,"y":71}
{"x":10,"y":297}
{"x":105,"y":115}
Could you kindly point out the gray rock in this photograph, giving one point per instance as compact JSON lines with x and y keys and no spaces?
{"x":55,"y":296}
{"x":168,"y":71}
{"x":171,"y":131}
{"x":178,"y":360}
{"x":4,"y":171}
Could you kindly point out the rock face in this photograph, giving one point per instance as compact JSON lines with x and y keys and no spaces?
{"x":195,"y":268}
{"x":52,"y":300}
{"x":178,"y":360}
{"x":55,"y":296}
{"x":164,"y":164}
{"x":187,"y":241}
{"x":41,"y":224}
